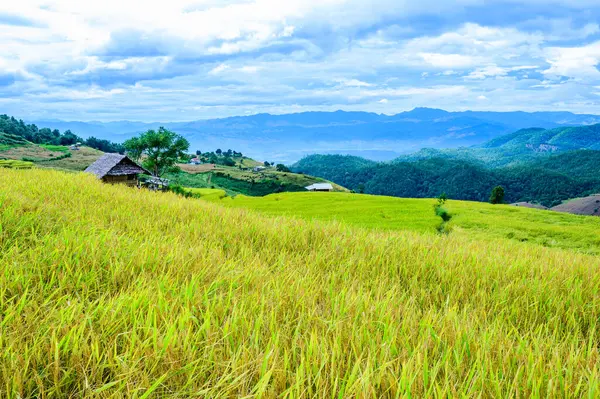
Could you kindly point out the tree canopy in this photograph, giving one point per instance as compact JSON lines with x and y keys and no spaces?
{"x":159,"y":149}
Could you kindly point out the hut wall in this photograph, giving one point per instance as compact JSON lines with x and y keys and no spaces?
{"x":129,"y":180}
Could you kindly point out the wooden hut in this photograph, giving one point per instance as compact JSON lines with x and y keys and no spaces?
{"x":117,"y":169}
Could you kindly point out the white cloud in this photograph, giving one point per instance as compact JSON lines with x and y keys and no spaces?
{"x":576,"y":62}
{"x":352,"y":83}
{"x":238,"y":56}
{"x":495,"y":70}
{"x":218,"y":69}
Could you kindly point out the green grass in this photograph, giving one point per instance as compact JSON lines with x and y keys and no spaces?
{"x":15,"y":164}
{"x":476,"y":219}
{"x":207,"y":193}
{"x":55,"y":148}
{"x":108,"y":291}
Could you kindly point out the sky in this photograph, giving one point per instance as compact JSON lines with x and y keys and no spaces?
{"x":181,"y":60}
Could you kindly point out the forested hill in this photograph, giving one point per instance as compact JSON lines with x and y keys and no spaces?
{"x":16,"y":132}
{"x":524,"y":145}
{"x":546,"y":180}
{"x":544,"y":140}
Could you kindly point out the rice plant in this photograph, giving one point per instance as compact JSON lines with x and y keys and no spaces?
{"x":109,"y":291}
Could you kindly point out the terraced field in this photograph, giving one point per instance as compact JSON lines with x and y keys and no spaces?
{"x":108,"y":291}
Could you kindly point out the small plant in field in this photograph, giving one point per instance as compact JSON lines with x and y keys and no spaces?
{"x":497,"y":196}
{"x":443,"y":213}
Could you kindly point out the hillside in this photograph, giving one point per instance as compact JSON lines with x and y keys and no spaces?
{"x":287,"y":138}
{"x":470,"y":219}
{"x":548,"y":181}
{"x":235,"y":180}
{"x":525,"y":145}
{"x":581,"y":206}
{"x":238,"y":179}
{"x":52,"y":156}
{"x":113,"y":292}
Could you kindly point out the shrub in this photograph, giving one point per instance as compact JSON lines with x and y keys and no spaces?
{"x":443,"y":213}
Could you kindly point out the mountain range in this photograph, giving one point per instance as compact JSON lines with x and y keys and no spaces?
{"x":287,"y":138}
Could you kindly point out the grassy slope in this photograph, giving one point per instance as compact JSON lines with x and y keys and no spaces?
{"x":235,"y":181}
{"x":78,"y":161}
{"x":108,"y":291}
{"x":45,"y":154}
{"x":550,"y":229}
{"x":208,"y":193}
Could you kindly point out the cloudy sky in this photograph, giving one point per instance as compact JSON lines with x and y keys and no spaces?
{"x":184,"y":60}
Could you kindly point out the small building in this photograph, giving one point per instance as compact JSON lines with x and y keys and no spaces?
{"x":195,"y":161}
{"x":117,"y":169}
{"x":156,"y":183}
{"x":258,"y":168}
{"x":75,"y":147}
{"x":320,"y":187}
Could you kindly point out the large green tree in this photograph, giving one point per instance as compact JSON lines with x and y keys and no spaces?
{"x":159,"y":149}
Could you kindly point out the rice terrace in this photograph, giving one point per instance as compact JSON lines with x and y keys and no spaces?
{"x":110,"y":291}
{"x":299,"y":199}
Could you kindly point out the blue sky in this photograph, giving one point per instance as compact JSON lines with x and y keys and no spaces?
{"x":185,"y":60}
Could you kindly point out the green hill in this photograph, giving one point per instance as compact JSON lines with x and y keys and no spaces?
{"x":547,"y":180}
{"x":525,"y":145}
{"x":553,"y":140}
{"x":470,"y":219}
{"x":108,"y":291}
{"x":234,"y":174}
{"x":243,"y":179}
{"x":533,"y":165}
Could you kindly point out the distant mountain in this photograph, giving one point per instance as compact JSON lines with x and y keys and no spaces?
{"x":553,"y":140}
{"x":524,"y":145}
{"x":287,"y":138}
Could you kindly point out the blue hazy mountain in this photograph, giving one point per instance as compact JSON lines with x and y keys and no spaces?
{"x":289,"y":137}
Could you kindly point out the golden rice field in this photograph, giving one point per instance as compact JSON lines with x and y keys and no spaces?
{"x":108,"y":291}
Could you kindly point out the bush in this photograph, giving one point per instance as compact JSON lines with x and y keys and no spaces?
{"x":180,"y":190}
{"x":442,"y":212}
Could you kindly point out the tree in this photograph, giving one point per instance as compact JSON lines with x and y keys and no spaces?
{"x":229,"y":162}
{"x":267,"y":164}
{"x":161,"y":149}
{"x":497,"y":196}
{"x":69,"y":138}
{"x":219,"y":152}
{"x":198,"y":152}
{"x":282,"y":168}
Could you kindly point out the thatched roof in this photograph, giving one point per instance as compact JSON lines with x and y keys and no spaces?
{"x":114,"y":165}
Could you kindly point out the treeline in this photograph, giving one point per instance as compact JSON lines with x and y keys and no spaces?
{"x":548,"y":181}
{"x":33,"y":134}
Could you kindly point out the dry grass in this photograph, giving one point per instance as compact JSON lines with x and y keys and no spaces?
{"x":108,"y":291}
{"x":194,"y":169}
{"x":79,"y":160}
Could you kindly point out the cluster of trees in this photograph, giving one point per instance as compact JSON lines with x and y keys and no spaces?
{"x":219,"y":157}
{"x":545,"y":181}
{"x":32,"y":133}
